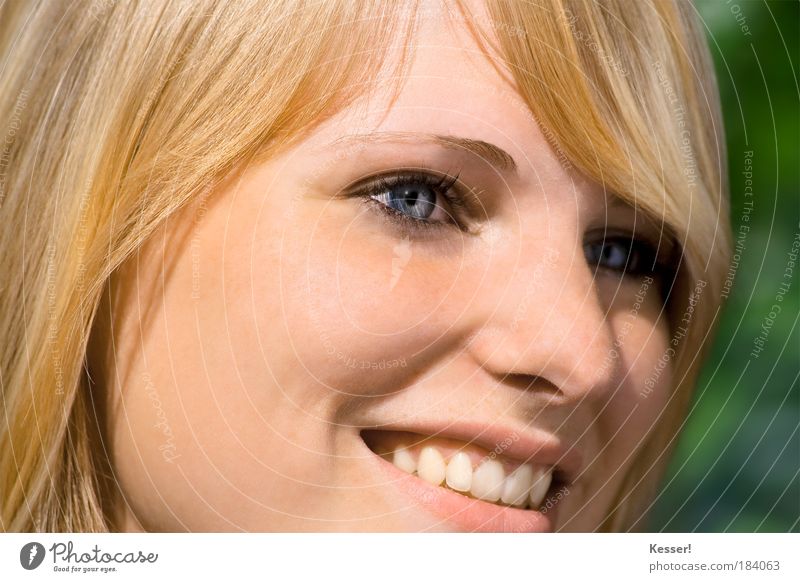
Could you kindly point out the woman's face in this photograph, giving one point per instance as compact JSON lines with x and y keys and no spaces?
{"x":419,"y":317}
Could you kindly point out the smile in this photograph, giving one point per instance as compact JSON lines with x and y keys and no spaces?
{"x":504,"y":487}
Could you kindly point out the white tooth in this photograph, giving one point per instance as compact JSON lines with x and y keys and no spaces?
{"x":430,"y":466}
{"x":541,"y":483}
{"x":517,"y":486}
{"x":459,"y":472}
{"x":487,"y":481}
{"x":403,"y":460}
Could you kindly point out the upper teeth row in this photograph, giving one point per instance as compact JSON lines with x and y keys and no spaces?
{"x":525,"y":485}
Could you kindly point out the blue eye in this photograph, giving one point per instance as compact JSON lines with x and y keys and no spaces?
{"x":415,"y":199}
{"x":623,"y":254}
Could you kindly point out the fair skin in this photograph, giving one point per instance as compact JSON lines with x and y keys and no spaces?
{"x":260,"y":330}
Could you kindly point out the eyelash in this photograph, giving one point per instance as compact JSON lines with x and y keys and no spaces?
{"x":641,"y":256}
{"x":444,"y":186}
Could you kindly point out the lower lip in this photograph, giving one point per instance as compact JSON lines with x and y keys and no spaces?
{"x":461,"y":512}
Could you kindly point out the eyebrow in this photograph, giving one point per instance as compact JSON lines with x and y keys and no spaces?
{"x":495,"y":155}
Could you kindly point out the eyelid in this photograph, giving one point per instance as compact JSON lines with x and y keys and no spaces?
{"x":664,"y":263}
{"x":460,"y":201}
{"x":665,"y":246}
{"x":429,"y":177}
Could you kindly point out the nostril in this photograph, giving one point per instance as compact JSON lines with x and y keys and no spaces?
{"x":532,"y":383}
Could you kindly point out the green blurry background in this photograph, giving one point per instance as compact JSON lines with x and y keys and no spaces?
{"x":737,"y":466}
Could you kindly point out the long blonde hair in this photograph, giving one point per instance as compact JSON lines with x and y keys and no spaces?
{"x":116,"y":114}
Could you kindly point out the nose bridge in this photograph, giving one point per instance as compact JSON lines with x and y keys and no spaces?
{"x":543,"y":317}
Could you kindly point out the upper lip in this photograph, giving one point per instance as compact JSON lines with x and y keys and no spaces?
{"x":524,"y":444}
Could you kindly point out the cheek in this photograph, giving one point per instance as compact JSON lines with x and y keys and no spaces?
{"x":642,"y":346}
{"x":201,"y":425}
{"x":346,"y":296}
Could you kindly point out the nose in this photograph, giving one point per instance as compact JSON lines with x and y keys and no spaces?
{"x":540,"y":316}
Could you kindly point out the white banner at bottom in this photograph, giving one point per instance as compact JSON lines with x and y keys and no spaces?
{"x":389,"y":557}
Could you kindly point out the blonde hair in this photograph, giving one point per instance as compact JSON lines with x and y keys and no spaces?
{"x":116,"y":114}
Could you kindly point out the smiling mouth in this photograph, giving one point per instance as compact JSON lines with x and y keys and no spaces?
{"x":466,"y":468}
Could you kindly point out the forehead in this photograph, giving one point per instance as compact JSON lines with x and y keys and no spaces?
{"x":451,"y":85}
